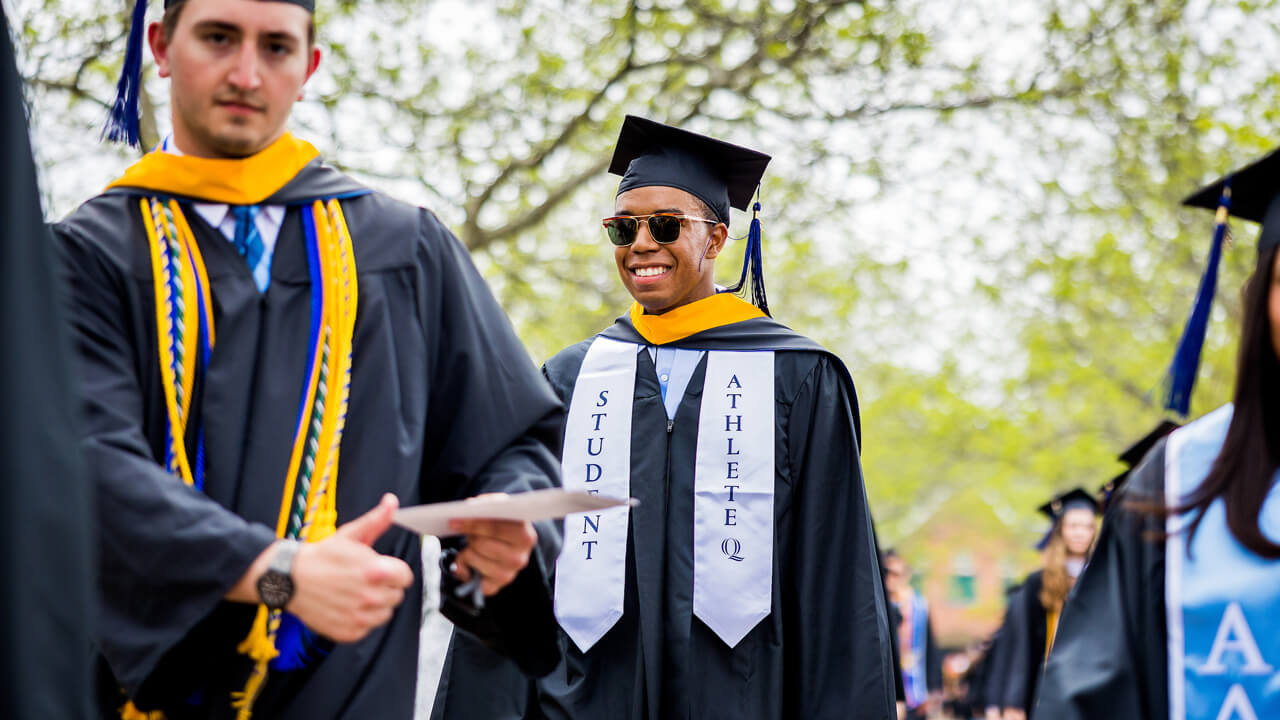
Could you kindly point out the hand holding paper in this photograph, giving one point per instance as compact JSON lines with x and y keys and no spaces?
{"x":530,"y":506}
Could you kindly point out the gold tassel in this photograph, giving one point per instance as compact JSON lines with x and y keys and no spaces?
{"x":259,"y":646}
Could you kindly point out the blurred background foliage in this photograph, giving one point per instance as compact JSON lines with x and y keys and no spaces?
{"x":974,"y":204}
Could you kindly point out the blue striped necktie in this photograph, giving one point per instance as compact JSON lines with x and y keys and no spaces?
{"x":248,"y":242}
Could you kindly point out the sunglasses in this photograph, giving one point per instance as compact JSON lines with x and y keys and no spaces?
{"x":664,"y":228}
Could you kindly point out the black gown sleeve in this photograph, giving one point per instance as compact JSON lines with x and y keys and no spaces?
{"x":840,"y":653}
{"x":1023,"y":661}
{"x":932,"y":660}
{"x":46,"y":567}
{"x":492,"y":426}
{"x":998,"y":659}
{"x":1109,"y":657}
{"x":167,"y":553}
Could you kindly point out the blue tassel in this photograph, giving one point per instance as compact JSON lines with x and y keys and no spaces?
{"x":1186,"y":361}
{"x":298,"y":645}
{"x":753,"y":264}
{"x":123,"y":118}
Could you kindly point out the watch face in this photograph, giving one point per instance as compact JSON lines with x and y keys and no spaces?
{"x":275,"y":588}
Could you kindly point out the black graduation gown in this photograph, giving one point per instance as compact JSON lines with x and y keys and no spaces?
{"x":444,"y":403}
{"x":1110,"y":656}
{"x":44,"y":502}
{"x":932,"y":660}
{"x":1025,"y":637}
{"x":824,"y":649}
{"x":895,"y":620}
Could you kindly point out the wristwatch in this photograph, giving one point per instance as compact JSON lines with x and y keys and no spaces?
{"x":275,"y":586}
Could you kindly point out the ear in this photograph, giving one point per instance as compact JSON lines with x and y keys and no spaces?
{"x":159,"y":47}
{"x":312,"y":63}
{"x":719,"y":236}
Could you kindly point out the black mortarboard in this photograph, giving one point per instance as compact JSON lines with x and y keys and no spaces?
{"x":1059,"y":504}
{"x":1249,"y":193}
{"x":123,"y":119}
{"x":1253,"y":189}
{"x":1074,"y":498}
{"x":718,"y":173}
{"x":1133,"y":455}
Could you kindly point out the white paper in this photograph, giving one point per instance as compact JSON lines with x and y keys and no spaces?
{"x":433,"y":519}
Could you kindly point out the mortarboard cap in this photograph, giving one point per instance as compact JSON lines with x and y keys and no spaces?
{"x":720,"y":174}
{"x":1248,"y":193}
{"x":1253,"y":188}
{"x":1133,"y":455}
{"x":1058,"y":506}
{"x":123,"y":118}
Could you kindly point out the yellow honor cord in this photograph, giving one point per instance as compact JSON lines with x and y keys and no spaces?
{"x":333,"y":354}
{"x":173,"y":249}
{"x":152,"y":216}
{"x":716,"y":311}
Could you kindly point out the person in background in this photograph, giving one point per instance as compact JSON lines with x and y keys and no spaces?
{"x":921,"y":660}
{"x":1033,"y":618}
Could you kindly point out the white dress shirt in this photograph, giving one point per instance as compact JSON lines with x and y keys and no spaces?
{"x":268,"y":219}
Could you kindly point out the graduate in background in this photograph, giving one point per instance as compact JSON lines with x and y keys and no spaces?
{"x":224,"y":365}
{"x":1033,"y":618}
{"x":1176,"y":616}
{"x":745,"y":584}
{"x":45,"y":616}
{"x":921,"y":660}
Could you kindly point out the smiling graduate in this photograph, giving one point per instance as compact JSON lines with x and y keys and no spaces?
{"x":745,"y":584}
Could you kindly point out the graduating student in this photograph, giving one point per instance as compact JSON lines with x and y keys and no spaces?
{"x":267,"y":351}
{"x":47,"y":563}
{"x":1033,"y":618}
{"x":745,"y":584}
{"x":921,"y":659}
{"x":1176,"y":615}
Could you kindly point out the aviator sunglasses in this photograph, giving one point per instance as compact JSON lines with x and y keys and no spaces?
{"x":664,"y":228}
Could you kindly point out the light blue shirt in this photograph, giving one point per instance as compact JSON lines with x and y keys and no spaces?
{"x":674,"y":368}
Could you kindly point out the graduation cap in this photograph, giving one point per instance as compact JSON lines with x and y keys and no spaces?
{"x":1133,"y":455}
{"x":123,"y":118}
{"x":1059,"y":505}
{"x":1250,"y":194}
{"x":720,"y":174}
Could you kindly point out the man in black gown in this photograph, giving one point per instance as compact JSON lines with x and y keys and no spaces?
{"x":745,"y":584}
{"x":216,"y":288}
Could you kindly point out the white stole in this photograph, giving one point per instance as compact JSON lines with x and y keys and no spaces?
{"x":733,"y":494}
{"x":591,"y":572}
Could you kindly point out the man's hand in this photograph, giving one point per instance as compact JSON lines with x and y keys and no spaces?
{"x":343,"y":589}
{"x":497,"y":549}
